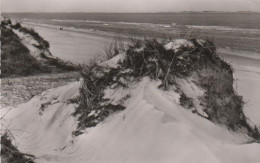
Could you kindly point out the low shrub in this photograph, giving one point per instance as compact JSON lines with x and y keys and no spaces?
{"x":6,"y":22}
{"x":16,"y":26}
{"x":188,"y":57}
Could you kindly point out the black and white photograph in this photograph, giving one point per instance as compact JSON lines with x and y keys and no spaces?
{"x":139,"y":81}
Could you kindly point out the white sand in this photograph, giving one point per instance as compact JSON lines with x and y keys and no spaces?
{"x":153,"y":128}
{"x":248,"y":85}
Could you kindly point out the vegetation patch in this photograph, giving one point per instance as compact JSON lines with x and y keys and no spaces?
{"x":10,"y":153}
{"x":15,"y":57}
{"x":167,"y":61}
{"x":186,"y":102}
{"x":43,"y":44}
{"x":93,"y":108}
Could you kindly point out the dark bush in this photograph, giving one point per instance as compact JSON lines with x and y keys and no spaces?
{"x":43,"y":43}
{"x":6,"y":22}
{"x":16,"y":26}
{"x":11,"y":154}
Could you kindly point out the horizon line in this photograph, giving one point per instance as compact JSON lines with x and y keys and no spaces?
{"x":133,"y":12}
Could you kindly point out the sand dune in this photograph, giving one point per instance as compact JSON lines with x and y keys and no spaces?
{"x":150,"y":121}
{"x":79,"y":47}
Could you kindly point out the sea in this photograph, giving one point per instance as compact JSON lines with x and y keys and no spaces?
{"x":236,"y":32}
{"x":204,"y":19}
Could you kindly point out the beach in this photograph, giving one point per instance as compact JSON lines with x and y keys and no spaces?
{"x":80,"y":47}
{"x":76,"y":46}
{"x":150,"y":120}
{"x":136,"y":81}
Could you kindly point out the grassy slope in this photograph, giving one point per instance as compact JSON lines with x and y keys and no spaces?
{"x":17,"y":60}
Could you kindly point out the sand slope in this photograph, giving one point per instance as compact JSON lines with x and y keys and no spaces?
{"x":153,"y":128}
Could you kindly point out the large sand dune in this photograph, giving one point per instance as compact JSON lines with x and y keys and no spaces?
{"x":79,"y":46}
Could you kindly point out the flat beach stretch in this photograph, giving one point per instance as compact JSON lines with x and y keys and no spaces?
{"x":75,"y":46}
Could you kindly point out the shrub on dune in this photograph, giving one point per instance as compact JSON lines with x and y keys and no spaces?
{"x":168,"y":62}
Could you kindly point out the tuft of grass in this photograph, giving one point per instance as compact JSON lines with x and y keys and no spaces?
{"x":11,"y":154}
{"x":113,"y":48}
{"x":43,"y":44}
{"x":6,"y":22}
{"x":186,"y":102}
{"x":16,"y":26}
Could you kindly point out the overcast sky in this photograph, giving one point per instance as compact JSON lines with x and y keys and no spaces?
{"x":128,"y":5}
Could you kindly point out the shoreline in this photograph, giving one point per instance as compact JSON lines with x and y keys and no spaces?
{"x":191,"y":18}
{"x":70,"y":29}
{"x":109,"y":35}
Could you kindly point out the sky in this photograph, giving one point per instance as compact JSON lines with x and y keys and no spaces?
{"x":128,"y":5}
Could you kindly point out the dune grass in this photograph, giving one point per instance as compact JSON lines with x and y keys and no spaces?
{"x":10,"y":153}
{"x":15,"y":57}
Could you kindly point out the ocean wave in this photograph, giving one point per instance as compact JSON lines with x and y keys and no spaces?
{"x":76,"y":21}
{"x":223,"y":28}
{"x":110,"y":22}
{"x":67,"y":28}
{"x":154,"y":25}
